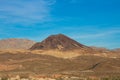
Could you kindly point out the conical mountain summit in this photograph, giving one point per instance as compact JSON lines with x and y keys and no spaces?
{"x":59,"y":41}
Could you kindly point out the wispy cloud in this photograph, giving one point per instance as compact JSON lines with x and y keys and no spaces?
{"x":98,"y":34}
{"x":25,"y":11}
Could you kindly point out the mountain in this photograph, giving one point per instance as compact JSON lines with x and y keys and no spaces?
{"x":117,"y":50}
{"x":60,"y":42}
{"x":16,"y":43}
{"x":48,"y":57}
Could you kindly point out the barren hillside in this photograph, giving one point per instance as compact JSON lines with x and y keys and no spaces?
{"x":16,"y":43}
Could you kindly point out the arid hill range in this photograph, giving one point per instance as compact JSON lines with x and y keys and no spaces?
{"x":57,"y":54}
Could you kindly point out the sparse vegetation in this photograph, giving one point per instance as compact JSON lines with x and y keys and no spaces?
{"x":4,"y":78}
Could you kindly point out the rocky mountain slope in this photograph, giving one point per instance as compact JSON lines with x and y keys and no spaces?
{"x":60,"y":42}
{"x":16,"y":43}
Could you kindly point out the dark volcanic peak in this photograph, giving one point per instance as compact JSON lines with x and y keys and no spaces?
{"x":60,"y":42}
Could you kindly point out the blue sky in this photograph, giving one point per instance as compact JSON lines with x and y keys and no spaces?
{"x":90,"y":22}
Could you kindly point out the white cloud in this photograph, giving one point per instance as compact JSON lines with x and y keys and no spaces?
{"x":25,"y":11}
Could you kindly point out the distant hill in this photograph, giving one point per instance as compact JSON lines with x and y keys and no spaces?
{"x":16,"y":43}
{"x":117,"y":50}
{"x":60,"y":42}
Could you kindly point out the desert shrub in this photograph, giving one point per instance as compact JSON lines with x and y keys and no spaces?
{"x":105,"y":79}
{"x":59,"y":79}
{"x":4,"y":78}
